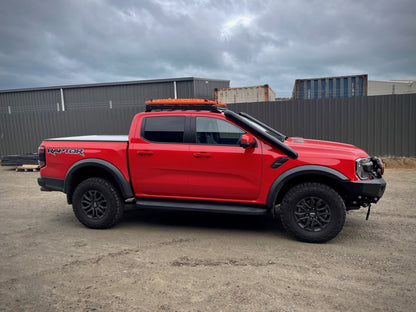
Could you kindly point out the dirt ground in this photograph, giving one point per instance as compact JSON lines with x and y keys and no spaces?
{"x":155,"y":261}
{"x":400,"y":162}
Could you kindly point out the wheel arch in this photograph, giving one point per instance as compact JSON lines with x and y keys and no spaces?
{"x":300,"y":174}
{"x":94,"y":167}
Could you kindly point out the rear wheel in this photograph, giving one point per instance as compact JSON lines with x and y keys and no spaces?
{"x":97,"y":203}
{"x":313,"y":212}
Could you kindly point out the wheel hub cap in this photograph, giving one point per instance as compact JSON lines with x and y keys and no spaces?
{"x":94,"y":204}
{"x":312,"y":214}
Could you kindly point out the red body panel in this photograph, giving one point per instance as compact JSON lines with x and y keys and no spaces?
{"x":338,"y":156}
{"x":200,"y":171}
{"x":159,"y":169}
{"x":225,"y":172}
{"x":222,"y":172}
{"x":58,"y":164}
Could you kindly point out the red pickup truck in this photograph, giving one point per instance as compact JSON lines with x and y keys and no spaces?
{"x":190,"y":154}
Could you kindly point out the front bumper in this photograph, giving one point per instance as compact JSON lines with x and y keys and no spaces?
{"x":363,"y":193}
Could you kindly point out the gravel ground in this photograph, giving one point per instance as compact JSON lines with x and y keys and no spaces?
{"x":155,"y":261}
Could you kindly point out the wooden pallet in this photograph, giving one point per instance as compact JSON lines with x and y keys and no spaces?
{"x":27,"y":168}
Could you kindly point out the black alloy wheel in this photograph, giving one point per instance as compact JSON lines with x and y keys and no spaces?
{"x":313,"y":212}
{"x":97,"y":203}
{"x":94,"y":204}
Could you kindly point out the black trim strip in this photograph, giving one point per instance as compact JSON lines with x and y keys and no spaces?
{"x":272,"y":140}
{"x":202,"y":206}
{"x":278,"y":162}
{"x":189,"y":135}
{"x":263,"y":125}
{"x":51,"y":184}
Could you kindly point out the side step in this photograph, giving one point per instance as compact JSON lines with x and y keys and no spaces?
{"x":203,"y":206}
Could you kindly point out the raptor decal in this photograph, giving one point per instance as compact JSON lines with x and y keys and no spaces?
{"x":70,"y":151}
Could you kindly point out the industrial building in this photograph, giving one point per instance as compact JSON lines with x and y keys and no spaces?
{"x":330,"y":87}
{"x":349,"y":86}
{"x":106,"y":95}
{"x":28,"y":116}
{"x":245,"y":94}
{"x":391,"y":87}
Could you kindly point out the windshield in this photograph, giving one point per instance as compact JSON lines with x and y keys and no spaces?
{"x":263,"y":127}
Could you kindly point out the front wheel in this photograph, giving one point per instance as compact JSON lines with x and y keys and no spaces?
{"x":97,"y":203}
{"x":313,"y":212}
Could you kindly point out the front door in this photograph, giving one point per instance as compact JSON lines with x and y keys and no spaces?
{"x":220,"y":168}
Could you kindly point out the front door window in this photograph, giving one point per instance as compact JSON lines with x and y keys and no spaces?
{"x":217,"y":132}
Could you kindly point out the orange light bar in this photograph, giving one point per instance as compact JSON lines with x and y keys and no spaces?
{"x":185,"y":102}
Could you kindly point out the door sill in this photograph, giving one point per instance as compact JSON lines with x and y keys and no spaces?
{"x":202,"y":206}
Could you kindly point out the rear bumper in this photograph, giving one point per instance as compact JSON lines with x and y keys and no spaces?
{"x":51,"y":184}
{"x":364,"y":192}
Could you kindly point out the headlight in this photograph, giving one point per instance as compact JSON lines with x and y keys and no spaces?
{"x":364,"y":168}
{"x":378,"y":166}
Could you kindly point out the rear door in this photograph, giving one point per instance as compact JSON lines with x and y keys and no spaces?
{"x":220,"y":168}
{"x":159,"y":158}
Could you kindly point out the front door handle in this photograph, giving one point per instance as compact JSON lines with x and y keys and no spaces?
{"x":145,"y":153}
{"x":202,"y":155}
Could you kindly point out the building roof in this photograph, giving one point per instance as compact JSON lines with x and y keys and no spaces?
{"x":105,"y":84}
{"x":396,"y":81}
{"x":333,"y":77}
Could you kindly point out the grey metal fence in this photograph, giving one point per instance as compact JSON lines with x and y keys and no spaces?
{"x":381,"y":125}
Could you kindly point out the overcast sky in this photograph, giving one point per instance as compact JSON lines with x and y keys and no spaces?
{"x":51,"y":42}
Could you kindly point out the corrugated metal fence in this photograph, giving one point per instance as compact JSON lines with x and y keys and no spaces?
{"x":381,"y":125}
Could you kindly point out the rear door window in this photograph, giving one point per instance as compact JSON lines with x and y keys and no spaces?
{"x":164,"y":129}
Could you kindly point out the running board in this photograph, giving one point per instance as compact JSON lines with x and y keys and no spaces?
{"x":203,"y":206}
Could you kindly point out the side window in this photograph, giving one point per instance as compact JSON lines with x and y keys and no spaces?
{"x":166,"y":129}
{"x":216,"y":131}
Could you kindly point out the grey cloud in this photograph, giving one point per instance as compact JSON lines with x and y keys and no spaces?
{"x":68,"y":42}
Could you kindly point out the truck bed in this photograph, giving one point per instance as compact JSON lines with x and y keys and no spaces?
{"x":100,"y":138}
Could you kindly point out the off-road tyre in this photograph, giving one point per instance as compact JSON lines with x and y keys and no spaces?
{"x":97,"y":203}
{"x":312,"y":212}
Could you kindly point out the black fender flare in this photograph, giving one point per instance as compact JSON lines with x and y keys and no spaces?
{"x":295,"y":172}
{"x":124,"y":185}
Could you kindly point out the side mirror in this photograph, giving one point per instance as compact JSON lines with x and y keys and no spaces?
{"x":247,"y":140}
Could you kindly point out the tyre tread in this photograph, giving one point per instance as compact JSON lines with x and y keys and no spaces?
{"x":118,"y":206}
{"x":297,"y":232}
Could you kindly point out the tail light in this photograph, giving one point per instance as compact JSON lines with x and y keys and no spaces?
{"x":41,"y":156}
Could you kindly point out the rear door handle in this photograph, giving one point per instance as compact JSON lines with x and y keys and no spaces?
{"x":145,"y":153}
{"x":202,"y":155}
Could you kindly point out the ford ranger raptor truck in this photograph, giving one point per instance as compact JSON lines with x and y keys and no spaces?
{"x":196,"y":155}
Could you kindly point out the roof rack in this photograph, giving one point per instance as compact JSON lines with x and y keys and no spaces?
{"x":185,"y":104}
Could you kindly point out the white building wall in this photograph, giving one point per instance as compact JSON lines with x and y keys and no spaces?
{"x":245,"y":94}
{"x":391,"y":87}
